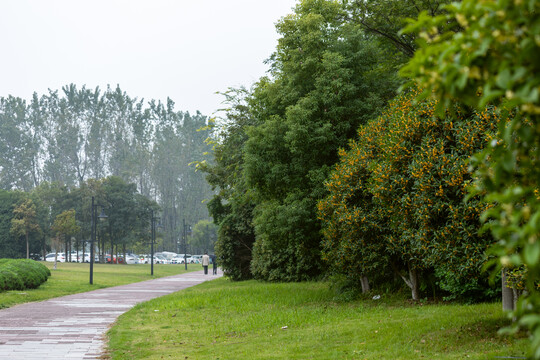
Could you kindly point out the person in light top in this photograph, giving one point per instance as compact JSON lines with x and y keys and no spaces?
{"x":205,"y":262}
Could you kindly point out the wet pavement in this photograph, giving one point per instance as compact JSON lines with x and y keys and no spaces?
{"x":74,"y":326}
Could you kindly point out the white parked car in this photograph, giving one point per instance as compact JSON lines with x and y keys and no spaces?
{"x":160,"y":259}
{"x":178,"y":259}
{"x":75,"y":258}
{"x":61,"y":257}
{"x":132,"y":259}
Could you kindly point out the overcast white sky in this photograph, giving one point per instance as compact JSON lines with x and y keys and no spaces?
{"x":154,"y":49}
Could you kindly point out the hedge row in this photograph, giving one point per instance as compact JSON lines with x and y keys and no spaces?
{"x":22,"y":274}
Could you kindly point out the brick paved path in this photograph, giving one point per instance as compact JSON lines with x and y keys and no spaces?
{"x":73,"y":326}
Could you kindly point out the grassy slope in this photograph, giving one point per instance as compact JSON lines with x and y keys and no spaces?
{"x":224,"y":320}
{"x":71,"y":278}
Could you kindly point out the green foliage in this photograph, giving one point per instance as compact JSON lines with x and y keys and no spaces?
{"x":25,"y":221}
{"x":128,"y":213}
{"x":287,"y":245}
{"x":386,"y":18}
{"x":65,"y":223}
{"x":22,"y":274}
{"x":17,"y":145}
{"x":8,"y":247}
{"x":235,"y":242}
{"x":232,"y":206}
{"x":397,"y":196}
{"x":203,"y":237}
{"x":326,"y":81}
{"x":494,"y":59}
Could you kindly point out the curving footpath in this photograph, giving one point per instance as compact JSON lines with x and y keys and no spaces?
{"x":74,"y":326}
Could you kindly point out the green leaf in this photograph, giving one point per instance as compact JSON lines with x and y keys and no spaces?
{"x":531,"y":254}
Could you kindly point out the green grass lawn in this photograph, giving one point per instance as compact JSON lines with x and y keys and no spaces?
{"x":253,"y":320}
{"x":71,"y":278}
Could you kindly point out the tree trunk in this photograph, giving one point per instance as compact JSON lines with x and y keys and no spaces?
{"x":27,"y":247}
{"x":412,"y":281}
{"x":365,"y":284}
{"x":507,"y":294}
{"x":44,"y":249}
{"x":413,"y":276}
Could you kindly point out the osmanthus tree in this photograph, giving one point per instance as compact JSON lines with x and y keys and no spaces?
{"x":397,"y":197}
{"x":353,"y":224}
{"x":495,"y":59}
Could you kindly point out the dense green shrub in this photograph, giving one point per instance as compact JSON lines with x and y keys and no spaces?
{"x":235,"y":241}
{"x":22,"y":274}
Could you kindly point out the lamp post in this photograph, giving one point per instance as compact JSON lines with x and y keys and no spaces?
{"x":187,"y":229}
{"x":152,"y":241}
{"x":94,"y":218}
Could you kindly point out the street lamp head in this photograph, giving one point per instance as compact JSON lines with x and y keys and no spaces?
{"x":102,"y":216}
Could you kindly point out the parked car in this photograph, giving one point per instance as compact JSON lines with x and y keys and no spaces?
{"x":132,"y":259}
{"x":36,"y":257}
{"x":144,"y":259}
{"x":61,"y":257}
{"x":79,"y":257}
{"x":178,"y":259}
{"x":160,"y":259}
{"x":168,"y":255}
{"x":120,"y":259}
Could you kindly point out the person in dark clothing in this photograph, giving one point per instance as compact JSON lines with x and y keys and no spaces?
{"x":214,"y":264}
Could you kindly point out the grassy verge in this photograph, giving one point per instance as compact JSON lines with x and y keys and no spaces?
{"x":252,"y":320}
{"x":71,"y":278}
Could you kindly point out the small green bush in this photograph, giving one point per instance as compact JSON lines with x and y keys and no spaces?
{"x":22,"y":274}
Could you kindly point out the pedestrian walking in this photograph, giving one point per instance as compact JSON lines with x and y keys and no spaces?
{"x":205,"y":262}
{"x":214,"y":264}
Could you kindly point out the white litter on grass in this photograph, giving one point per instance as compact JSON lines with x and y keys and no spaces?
{"x":376,"y":297}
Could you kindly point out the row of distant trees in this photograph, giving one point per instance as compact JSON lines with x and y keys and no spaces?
{"x":57,"y":217}
{"x":54,"y":217}
{"x":71,"y":136}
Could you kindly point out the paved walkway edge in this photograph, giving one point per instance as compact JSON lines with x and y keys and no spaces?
{"x":74,"y":326}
